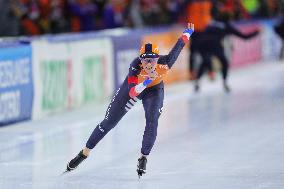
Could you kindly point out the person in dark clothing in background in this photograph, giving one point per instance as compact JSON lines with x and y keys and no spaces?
{"x":84,"y":11}
{"x":211,"y":45}
{"x":200,"y":13}
{"x":10,"y":23}
{"x":279,"y":29}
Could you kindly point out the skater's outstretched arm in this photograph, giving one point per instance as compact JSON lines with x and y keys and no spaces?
{"x":174,"y":53}
{"x":232,"y":30}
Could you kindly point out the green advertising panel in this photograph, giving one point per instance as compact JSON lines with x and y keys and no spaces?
{"x":54,"y":80}
{"x":92,"y":78}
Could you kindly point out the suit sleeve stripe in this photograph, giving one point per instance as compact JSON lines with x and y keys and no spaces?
{"x":132,"y":79}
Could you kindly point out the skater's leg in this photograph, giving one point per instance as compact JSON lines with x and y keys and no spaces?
{"x":194,"y":50}
{"x":153,"y":105}
{"x":192,"y":62}
{"x":201,"y":68}
{"x":225,"y":68}
{"x":211,"y":74}
{"x":115,"y":111}
{"x":206,"y":60}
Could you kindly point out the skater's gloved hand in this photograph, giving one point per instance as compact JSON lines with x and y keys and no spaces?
{"x":136,"y":90}
{"x":187,"y":32}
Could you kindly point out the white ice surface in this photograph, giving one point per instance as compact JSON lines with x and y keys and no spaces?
{"x":209,"y":140}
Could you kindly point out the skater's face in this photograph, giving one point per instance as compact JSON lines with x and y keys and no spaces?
{"x":149,"y":64}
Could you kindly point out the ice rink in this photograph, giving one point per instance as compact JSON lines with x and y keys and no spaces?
{"x":209,"y":140}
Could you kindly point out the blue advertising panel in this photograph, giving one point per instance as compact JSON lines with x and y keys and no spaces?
{"x":16,"y":85}
{"x":126,"y":49}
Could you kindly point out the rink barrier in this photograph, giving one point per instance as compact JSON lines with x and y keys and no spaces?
{"x":246,"y":52}
{"x":264,"y":48}
{"x":70,"y":74}
{"x":70,"y":70}
{"x":16,"y":83}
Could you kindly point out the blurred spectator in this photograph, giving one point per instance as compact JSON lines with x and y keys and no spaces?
{"x":269,"y":8}
{"x":10,"y":23}
{"x":150,"y":11}
{"x":34,"y":17}
{"x":199,"y":13}
{"x":42,"y":10}
{"x":28,"y":14}
{"x":234,"y":9}
{"x":113,"y":13}
{"x":133,"y":15}
{"x":251,"y":6}
{"x":173,"y":8}
{"x":58,"y":16}
{"x":83,"y":15}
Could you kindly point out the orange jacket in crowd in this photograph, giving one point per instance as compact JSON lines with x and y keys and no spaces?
{"x":199,"y":13}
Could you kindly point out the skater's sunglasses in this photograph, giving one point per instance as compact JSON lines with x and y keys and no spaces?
{"x":149,"y":60}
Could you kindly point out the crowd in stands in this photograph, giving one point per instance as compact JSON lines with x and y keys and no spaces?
{"x":36,"y":17}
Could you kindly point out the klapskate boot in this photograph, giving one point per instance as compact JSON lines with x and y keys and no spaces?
{"x":141,"y":167}
{"x":75,"y":161}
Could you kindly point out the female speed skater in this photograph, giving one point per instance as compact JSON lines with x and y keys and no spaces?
{"x":144,"y":82}
{"x":211,"y":45}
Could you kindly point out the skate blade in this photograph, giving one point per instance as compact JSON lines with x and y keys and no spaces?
{"x":64,"y":172}
{"x":140,"y":173}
